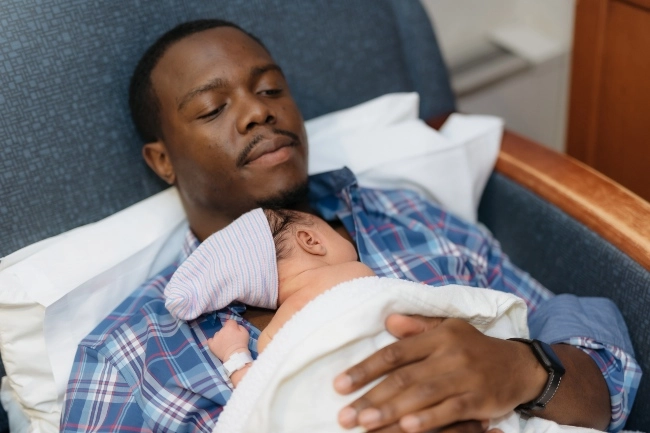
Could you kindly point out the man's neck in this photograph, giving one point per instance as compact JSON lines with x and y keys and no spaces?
{"x":205,"y":224}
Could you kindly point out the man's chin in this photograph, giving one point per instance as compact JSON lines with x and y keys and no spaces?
{"x":294,"y":197}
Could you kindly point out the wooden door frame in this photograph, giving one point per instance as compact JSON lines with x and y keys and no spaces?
{"x":586,"y":75}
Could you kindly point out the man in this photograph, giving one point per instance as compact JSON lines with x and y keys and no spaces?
{"x":219,"y":122}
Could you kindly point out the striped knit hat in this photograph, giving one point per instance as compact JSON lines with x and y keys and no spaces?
{"x":236,"y":263}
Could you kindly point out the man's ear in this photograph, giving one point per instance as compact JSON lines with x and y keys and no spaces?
{"x":310,"y":241}
{"x":156,"y":156}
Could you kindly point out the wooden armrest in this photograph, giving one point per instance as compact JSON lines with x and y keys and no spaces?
{"x":610,"y":210}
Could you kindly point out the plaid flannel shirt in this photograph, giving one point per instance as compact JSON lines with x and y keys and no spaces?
{"x":141,"y":370}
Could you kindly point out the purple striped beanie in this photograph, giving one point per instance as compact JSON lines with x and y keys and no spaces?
{"x":236,"y":263}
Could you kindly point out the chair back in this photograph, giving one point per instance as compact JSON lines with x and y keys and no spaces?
{"x":70,"y":153}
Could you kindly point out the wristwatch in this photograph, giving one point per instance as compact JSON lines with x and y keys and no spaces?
{"x":236,"y":362}
{"x":552,"y":364}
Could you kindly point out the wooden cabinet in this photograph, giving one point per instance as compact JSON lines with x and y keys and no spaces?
{"x":609,"y":115}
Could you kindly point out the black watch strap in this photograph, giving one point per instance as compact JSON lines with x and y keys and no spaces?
{"x":552,"y":364}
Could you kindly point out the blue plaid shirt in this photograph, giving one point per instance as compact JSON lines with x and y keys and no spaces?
{"x":142,"y":370}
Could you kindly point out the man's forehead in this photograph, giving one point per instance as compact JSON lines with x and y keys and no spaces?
{"x":202,"y":55}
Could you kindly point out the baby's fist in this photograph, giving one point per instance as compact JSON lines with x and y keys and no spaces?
{"x":232,"y":338}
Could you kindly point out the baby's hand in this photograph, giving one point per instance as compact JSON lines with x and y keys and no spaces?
{"x":230,"y":339}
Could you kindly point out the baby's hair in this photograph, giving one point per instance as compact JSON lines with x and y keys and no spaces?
{"x":283,"y":224}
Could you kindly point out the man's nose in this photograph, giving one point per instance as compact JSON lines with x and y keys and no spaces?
{"x":253,"y":111}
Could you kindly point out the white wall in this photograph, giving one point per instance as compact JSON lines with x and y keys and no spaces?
{"x":532,"y":102}
{"x":462,"y":25}
{"x":553,"y":17}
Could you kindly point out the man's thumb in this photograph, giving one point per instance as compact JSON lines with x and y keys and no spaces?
{"x":405,"y":326}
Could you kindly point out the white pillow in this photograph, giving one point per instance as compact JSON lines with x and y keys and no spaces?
{"x":386,"y":145}
{"x":43,"y":286}
{"x":81,"y":276}
{"x":18,"y":420}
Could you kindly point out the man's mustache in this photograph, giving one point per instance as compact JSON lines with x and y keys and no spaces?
{"x":250,"y":146}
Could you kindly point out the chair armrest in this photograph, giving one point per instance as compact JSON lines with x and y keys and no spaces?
{"x":608,"y":209}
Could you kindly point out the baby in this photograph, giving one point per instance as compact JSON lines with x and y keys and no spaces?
{"x":282,"y":259}
{"x":268,"y":258}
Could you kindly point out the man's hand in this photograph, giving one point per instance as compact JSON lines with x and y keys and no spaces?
{"x":230,"y":339}
{"x":441,"y":372}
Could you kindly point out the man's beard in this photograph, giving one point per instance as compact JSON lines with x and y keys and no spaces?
{"x":295,"y":198}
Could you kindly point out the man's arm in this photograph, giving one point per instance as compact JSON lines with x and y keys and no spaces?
{"x":582,"y":399}
{"x":568,"y":319}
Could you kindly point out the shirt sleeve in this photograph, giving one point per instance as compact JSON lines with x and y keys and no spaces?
{"x":594,"y":325}
{"x":98,"y":399}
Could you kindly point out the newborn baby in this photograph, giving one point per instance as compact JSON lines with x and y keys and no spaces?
{"x":282,"y":259}
{"x":309,"y":258}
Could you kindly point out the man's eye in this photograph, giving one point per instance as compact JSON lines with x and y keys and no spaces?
{"x":213,"y":113}
{"x":271,"y":92}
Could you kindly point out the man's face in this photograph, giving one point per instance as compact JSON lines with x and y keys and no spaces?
{"x":233,"y":133}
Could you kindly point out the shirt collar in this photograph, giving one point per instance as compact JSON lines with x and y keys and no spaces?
{"x":327,"y":192}
{"x":190,"y":244}
{"x":330,"y":183}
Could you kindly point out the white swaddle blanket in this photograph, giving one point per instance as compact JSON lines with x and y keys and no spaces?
{"x":289,"y":387}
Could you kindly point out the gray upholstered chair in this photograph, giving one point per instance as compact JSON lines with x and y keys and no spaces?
{"x":70,"y":154}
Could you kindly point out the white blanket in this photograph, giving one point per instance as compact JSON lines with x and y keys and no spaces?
{"x":289,"y":387}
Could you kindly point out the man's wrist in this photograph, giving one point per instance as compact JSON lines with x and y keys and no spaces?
{"x":532,"y":375}
{"x":554,"y":370}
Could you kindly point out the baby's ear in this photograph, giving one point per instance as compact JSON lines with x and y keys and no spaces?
{"x":310,"y":241}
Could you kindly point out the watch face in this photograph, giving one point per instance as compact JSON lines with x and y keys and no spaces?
{"x":547,"y":357}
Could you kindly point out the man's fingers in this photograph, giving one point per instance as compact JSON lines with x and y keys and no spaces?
{"x":394,"y":428}
{"x":405,"y":391}
{"x":405,"y":326}
{"x":383,"y":361}
{"x":447,"y":413}
{"x":419,"y":395}
{"x":459,"y":427}
{"x":465,"y":427}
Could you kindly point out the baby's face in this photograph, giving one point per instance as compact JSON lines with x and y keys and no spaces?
{"x":341,"y":250}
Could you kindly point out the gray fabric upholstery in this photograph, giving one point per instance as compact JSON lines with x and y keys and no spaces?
{"x":566,"y":257}
{"x":70,"y":155}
